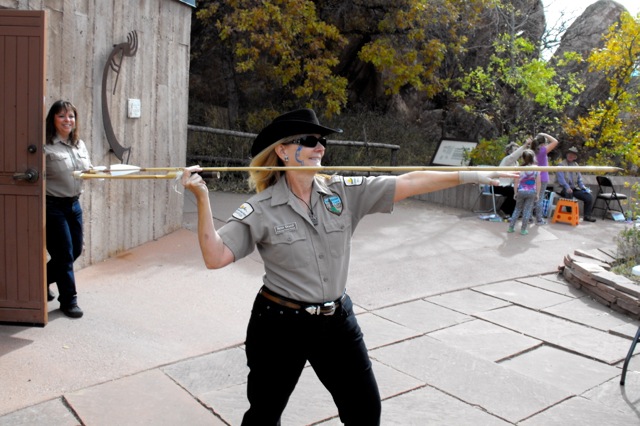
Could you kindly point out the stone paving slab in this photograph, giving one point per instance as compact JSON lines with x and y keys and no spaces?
{"x":562,"y":333}
{"x":581,"y":411}
{"x":209,"y":372}
{"x":50,"y":413}
{"x":145,"y":398}
{"x":572,"y":372}
{"x":582,"y":259}
{"x":468,"y":301}
{"x":624,"y":399}
{"x":231,"y":403}
{"x":500,"y":391}
{"x":430,"y":406}
{"x":596,"y":254}
{"x":523,"y":294}
{"x":589,"y":312}
{"x":422,"y":316}
{"x":549,"y":283}
{"x":486,"y":340}
{"x":628,"y":330}
{"x":379,"y":331}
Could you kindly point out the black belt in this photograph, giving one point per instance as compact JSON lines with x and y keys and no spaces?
{"x":327,"y":308}
{"x":63,"y":199}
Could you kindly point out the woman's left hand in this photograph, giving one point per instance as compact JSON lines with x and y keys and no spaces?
{"x":486,"y":178}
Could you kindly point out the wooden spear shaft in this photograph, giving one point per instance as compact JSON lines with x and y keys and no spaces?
{"x":173,"y":172}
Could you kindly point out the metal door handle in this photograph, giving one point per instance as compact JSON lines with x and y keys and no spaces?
{"x":30,"y":176}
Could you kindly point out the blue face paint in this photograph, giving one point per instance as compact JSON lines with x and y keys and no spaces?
{"x":298,"y":151}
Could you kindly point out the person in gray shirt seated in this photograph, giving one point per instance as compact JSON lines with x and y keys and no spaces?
{"x":572,"y":185}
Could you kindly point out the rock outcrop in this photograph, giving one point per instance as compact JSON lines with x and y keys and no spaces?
{"x":584,"y":35}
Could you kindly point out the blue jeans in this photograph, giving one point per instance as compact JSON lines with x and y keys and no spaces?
{"x":64,"y":244}
{"x":279,"y":342}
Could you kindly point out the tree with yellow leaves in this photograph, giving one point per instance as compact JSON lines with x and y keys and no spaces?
{"x":415,"y":39}
{"x":611,"y":128}
{"x":283,"y":46}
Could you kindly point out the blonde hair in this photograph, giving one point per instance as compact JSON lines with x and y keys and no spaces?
{"x":259,"y":180}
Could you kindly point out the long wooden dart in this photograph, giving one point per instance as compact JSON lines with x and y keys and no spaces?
{"x":123,"y":171}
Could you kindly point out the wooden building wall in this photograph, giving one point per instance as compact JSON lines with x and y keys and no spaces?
{"x":122,"y":214}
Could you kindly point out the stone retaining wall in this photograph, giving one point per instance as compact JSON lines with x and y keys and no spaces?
{"x":590,"y":271}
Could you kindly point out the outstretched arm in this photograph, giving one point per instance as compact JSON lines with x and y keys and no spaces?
{"x":214,"y":252}
{"x":513,"y":158}
{"x":415,"y":183}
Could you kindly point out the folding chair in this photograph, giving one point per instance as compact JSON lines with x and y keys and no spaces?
{"x":604,"y":184}
{"x":636,"y":339}
{"x":486,"y":191}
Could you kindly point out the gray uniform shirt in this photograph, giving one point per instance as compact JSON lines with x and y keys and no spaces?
{"x":62,"y":160}
{"x":305,"y":262}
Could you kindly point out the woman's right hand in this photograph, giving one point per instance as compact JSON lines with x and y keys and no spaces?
{"x":192,"y":181}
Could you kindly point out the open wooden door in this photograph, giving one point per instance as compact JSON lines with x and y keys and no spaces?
{"x":22,"y":191}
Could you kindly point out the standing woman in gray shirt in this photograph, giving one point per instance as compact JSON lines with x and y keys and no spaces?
{"x":65,"y":153}
{"x":301,"y":223}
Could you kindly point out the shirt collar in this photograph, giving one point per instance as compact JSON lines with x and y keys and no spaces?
{"x":57,"y":139}
{"x":280,"y":194}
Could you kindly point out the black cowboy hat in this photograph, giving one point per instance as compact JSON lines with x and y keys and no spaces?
{"x":298,"y":122}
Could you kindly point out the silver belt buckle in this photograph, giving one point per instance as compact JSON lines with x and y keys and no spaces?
{"x":331,"y":306}
{"x":328,"y":308}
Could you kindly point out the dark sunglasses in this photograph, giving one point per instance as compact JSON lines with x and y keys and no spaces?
{"x":309,"y":141}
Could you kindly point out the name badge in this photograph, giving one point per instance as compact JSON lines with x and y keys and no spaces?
{"x":288,"y":227}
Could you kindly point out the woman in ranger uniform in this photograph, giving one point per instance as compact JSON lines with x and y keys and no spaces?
{"x":65,"y":153}
{"x":302,"y":223}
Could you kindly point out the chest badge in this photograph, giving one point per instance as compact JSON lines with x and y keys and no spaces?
{"x":333,"y":203}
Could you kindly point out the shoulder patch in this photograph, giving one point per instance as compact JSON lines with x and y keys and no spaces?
{"x":243,"y":211}
{"x":353,"y":180}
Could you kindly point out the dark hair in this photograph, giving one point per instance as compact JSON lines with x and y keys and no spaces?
{"x":528,"y":157}
{"x":537,"y":142}
{"x":55,"y":109}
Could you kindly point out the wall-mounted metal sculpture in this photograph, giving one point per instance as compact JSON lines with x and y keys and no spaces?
{"x":114,"y":63}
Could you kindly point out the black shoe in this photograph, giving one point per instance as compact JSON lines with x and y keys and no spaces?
{"x":72,"y":311}
{"x":50,"y":295}
{"x":589,"y":219}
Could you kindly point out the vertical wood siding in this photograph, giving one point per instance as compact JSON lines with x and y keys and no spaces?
{"x":120,"y":215}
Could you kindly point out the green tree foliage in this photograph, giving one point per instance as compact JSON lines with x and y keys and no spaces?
{"x":489,"y":152}
{"x":516,"y":89}
{"x":416,"y":37}
{"x":612,"y":127}
{"x":285,"y":46}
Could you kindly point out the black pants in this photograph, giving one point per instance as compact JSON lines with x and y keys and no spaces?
{"x":583,"y":196}
{"x":279,"y":342}
{"x":64,"y":244}
{"x":509,"y":202}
